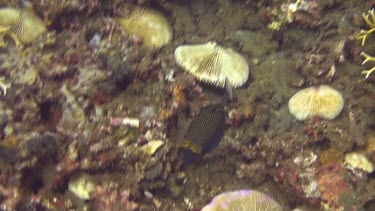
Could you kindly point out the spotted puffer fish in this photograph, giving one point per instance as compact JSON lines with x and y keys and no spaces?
{"x":204,"y":132}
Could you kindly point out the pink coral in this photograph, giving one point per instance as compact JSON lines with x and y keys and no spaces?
{"x":110,"y":198}
{"x":332,"y":186}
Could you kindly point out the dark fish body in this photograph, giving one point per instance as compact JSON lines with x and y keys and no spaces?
{"x":204,"y":132}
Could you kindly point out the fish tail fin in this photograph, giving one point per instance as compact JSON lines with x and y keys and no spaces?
{"x":189,"y":156}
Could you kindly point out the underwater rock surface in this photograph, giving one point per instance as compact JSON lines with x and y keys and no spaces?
{"x":87,"y":97}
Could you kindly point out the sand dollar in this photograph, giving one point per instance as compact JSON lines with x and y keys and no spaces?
{"x":213,"y":64}
{"x":149,"y":24}
{"x":322,"y":101}
{"x":24,"y":23}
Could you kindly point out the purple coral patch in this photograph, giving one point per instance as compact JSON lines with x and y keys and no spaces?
{"x":242,"y":200}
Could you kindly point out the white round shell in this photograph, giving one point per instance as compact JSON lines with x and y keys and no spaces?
{"x":149,"y":24}
{"x":322,"y":101}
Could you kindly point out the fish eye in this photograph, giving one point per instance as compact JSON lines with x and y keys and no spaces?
{"x":214,"y":110}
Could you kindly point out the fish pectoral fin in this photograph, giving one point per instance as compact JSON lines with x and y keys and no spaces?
{"x":228,"y":90}
{"x":187,"y":144}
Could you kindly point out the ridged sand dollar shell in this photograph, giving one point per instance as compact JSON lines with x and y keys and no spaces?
{"x":149,"y":24}
{"x":213,"y":64}
{"x":322,"y":101}
{"x":8,"y":16}
{"x":243,"y":200}
{"x":24,"y":23}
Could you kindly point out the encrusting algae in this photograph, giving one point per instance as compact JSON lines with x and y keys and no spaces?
{"x":213,"y":64}
{"x":22,"y":25}
{"x":150,"y":25}
{"x":321,"y":101}
{"x":204,"y":132}
{"x":331,"y":155}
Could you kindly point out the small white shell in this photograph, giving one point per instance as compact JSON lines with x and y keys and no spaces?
{"x":213,"y":64}
{"x":357,"y":160}
{"x":151,"y":147}
{"x":131,"y":122}
{"x":82,"y":186}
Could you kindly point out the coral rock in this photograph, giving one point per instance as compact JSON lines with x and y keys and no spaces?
{"x":333,"y":188}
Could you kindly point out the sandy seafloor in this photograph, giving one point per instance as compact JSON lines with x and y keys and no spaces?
{"x":67,"y":89}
